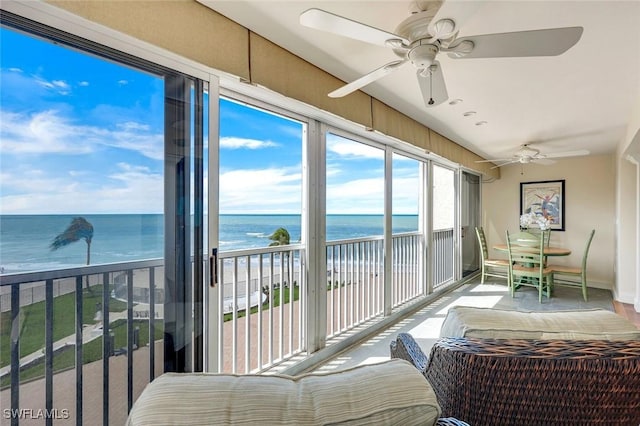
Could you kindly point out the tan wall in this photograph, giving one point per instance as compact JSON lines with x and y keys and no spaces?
{"x":194,"y":31}
{"x":184,"y":27}
{"x":590,"y":204}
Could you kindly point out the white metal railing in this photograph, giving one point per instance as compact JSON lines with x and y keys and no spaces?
{"x":406,"y":264}
{"x":269,"y":283}
{"x":355,"y":276}
{"x":443,"y":257}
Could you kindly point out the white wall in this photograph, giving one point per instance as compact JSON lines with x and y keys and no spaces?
{"x":628,"y":192}
{"x":589,"y":204}
{"x":627,"y":228}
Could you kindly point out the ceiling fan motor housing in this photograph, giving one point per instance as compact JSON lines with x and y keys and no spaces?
{"x":423,"y":55}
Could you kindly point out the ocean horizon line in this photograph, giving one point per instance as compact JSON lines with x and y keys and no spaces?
{"x":221,"y":214}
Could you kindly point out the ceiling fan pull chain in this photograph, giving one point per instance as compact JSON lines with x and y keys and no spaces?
{"x":431,"y":101}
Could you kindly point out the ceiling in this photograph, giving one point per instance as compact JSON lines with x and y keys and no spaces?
{"x":582,"y":99}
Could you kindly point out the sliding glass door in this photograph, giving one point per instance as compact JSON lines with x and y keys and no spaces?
{"x":102,"y":210}
{"x":469,"y":220}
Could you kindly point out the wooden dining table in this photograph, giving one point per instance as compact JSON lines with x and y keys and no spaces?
{"x":547,"y":251}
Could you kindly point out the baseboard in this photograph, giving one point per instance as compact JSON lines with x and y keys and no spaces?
{"x":600,"y":284}
{"x":626,"y":297}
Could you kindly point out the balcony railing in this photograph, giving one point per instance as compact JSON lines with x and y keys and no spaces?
{"x":355,"y":276}
{"x":407,"y":255}
{"x":443,"y":255}
{"x":58,"y":358}
{"x":98,"y":373}
{"x":271,"y":283}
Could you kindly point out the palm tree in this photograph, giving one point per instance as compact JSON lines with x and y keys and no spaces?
{"x":79,"y":228}
{"x":280,"y":237}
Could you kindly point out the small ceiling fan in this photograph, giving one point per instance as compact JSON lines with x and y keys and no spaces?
{"x":526,"y":154}
{"x":418,"y":40}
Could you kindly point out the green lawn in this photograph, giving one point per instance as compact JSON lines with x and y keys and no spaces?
{"x":32,"y":329}
{"x":265,"y":305}
{"x":91,"y":351}
{"x":32,"y":320}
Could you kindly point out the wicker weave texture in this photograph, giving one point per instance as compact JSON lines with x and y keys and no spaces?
{"x":531,"y":382}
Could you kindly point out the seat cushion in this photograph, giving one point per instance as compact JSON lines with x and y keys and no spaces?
{"x":599,"y":324}
{"x":392,"y":392}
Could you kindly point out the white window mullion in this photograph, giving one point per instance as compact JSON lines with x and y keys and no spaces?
{"x":388,"y":231}
{"x":314,"y":234}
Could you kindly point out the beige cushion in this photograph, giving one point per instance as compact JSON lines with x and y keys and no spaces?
{"x":392,"y":392}
{"x":600,"y":324}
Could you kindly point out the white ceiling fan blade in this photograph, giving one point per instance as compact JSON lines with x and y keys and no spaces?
{"x":432,"y":86}
{"x":504,"y":164}
{"x":543,"y":161}
{"x":549,"y":42}
{"x":576,"y":153}
{"x":326,"y":21}
{"x":444,"y":29}
{"x":366,"y":79}
{"x":493,"y":160}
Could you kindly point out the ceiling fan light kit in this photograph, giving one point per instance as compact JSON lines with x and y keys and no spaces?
{"x":420,"y":38}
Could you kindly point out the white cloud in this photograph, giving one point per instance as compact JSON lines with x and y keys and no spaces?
{"x":350,"y":149}
{"x":42,"y":132}
{"x":83,"y":84}
{"x":60,"y":86}
{"x":123,"y":82}
{"x":406,"y":195}
{"x":261,"y":190}
{"x":239,"y":143}
{"x":60,"y":83}
{"x":131,"y":189}
{"x":48,"y":132}
{"x":362,"y":196}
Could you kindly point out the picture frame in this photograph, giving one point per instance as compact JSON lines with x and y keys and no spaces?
{"x":544,"y":198}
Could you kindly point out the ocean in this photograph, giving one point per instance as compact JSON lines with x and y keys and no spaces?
{"x":25,"y":239}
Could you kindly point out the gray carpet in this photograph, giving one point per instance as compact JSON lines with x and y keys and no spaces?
{"x":563,"y":298}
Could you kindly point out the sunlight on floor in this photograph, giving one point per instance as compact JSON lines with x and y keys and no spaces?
{"x":427,"y":329}
{"x":374,"y":360}
{"x":477,"y":301}
{"x":425,"y":324}
{"x":485,"y":288}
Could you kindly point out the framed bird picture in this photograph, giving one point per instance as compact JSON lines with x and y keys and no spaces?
{"x":544,"y":199}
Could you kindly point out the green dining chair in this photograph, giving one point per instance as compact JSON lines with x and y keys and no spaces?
{"x":546,"y":234}
{"x":527,"y":264}
{"x":498,"y":268}
{"x":569,"y":275}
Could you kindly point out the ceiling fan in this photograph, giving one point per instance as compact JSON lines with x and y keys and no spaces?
{"x":418,"y":40}
{"x":526,"y":154}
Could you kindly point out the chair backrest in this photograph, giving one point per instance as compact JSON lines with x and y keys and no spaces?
{"x":545,"y":233}
{"x":526,"y":249}
{"x":483,"y":243}
{"x":536,"y":234}
{"x":525,"y":238}
{"x":586,"y":251}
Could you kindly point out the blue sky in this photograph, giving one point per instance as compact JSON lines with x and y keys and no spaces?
{"x":80,"y":135}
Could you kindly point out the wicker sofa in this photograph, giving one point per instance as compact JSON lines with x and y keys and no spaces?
{"x":532,"y":381}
